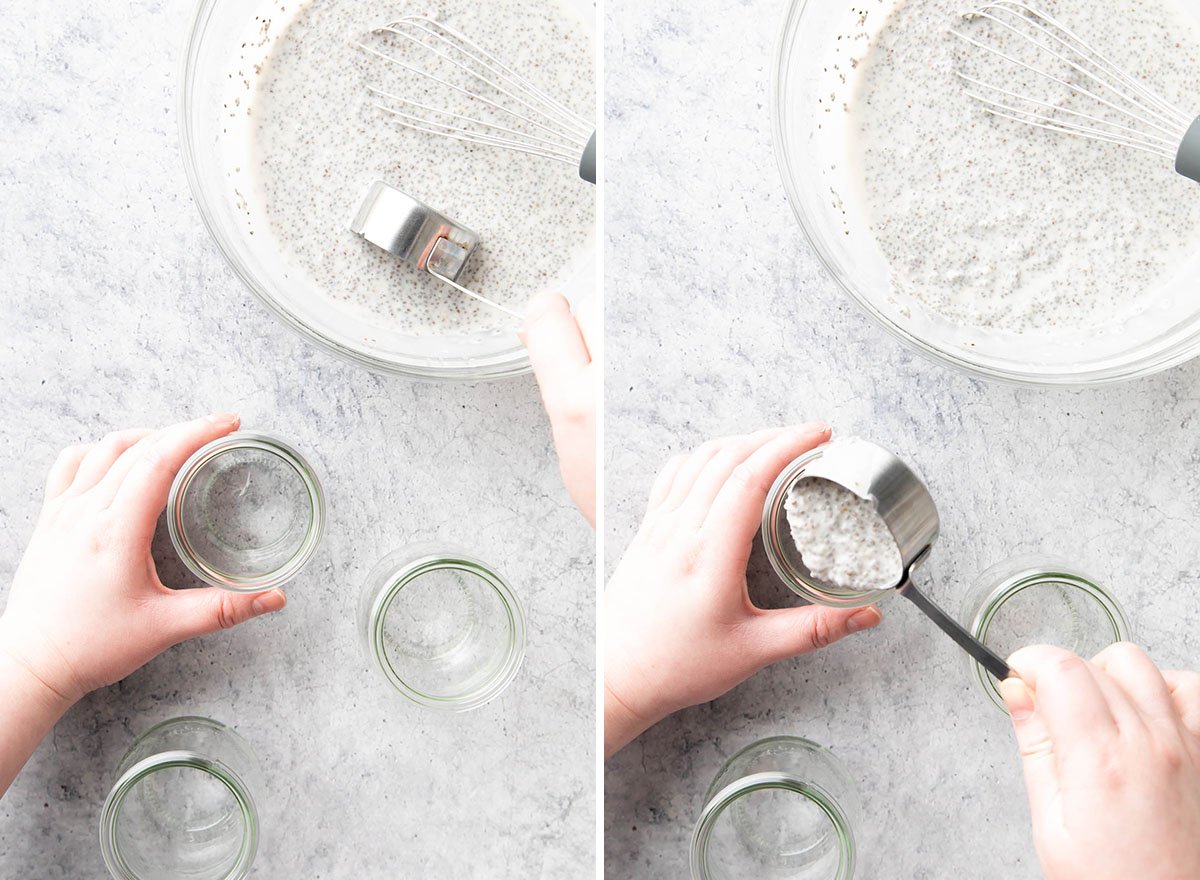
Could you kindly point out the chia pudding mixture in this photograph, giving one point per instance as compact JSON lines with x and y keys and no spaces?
{"x":316,"y":143}
{"x":841,"y":537}
{"x":996,"y":224}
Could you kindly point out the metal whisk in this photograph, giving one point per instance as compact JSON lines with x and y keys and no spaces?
{"x":454,"y":88}
{"x":1090,"y":96}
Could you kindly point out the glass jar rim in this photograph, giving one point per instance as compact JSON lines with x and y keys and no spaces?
{"x":768,"y":781}
{"x":110,"y":813}
{"x":1034,"y":573}
{"x":394,"y":584}
{"x":773,"y":511}
{"x":192,"y":467}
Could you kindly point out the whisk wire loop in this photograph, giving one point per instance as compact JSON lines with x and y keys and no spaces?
{"x":1140,"y":117}
{"x":537,"y":123}
{"x":1073,"y":43}
{"x":1074,"y":88}
{"x":521,"y":141}
{"x":1123,"y":134}
{"x":457,"y":41}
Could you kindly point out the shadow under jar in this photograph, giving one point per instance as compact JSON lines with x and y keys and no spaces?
{"x":782,"y":808}
{"x":246,"y":513}
{"x":185,"y":805}
{"x":1038,"y":600}
{"x":442,"y":627}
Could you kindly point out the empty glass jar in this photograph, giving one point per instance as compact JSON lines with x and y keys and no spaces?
{"x":1039,"y":600}
{"x":246,"y":512}
{"x":782,"y":808}
{"x":442,"y":627}
{"x":185,"y":804}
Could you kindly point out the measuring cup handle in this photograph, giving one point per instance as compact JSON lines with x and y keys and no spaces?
{"x":984,"y":655}
{"x":587,"y":163}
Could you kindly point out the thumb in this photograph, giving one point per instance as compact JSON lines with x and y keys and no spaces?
{"x":203,"y":611}
{"x":1033,"y":739}
{"x":788,"y":632}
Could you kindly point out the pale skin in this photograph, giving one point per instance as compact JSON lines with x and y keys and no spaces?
{"x":562,"y":363}
{"x":679,"y":626}
{"x":1111,"y":756}
{"x":1110,"y":748}
{"x":86,"y":607}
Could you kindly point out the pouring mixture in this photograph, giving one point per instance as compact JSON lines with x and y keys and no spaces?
{"x":842,"y":538}
{"x":314,"y":144}
{"x":996,"y":225}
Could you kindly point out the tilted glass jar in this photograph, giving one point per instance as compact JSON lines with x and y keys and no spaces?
{"x":781,"y":549}
{"x":441,"y":627}
{"x":185,"y":804}
{"x":782,"y":808}
{"x":1033,"y":600}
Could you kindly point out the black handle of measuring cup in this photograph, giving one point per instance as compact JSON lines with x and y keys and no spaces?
{"x":977,"y":649}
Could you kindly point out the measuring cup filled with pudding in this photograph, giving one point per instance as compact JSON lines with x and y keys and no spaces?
{"x":847,"y":523}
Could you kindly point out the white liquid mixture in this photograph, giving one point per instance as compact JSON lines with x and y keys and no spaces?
{"x":315,"y":143}
{"x":997,"y":225}
{"x":841,"y":537}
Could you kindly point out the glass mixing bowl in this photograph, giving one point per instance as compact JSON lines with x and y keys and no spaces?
{"x":222,"y":29}
{"x":812,"y":144}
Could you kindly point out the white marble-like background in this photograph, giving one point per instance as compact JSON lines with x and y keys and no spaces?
{"x":720,"y":320}
{"x":118,"y":311}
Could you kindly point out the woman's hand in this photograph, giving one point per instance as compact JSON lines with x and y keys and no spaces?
{"x":679,"y":626}
{"x":562,"y":363}
{"x":1111,"y":753}
{"x":86,"y":607}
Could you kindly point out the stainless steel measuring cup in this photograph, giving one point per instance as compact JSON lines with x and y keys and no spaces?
{"x":409,"y":229}
{"x":906,"y":507}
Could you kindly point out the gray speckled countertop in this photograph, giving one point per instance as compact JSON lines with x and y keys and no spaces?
{"x":720,"y":319}
{"x":119,"y":311}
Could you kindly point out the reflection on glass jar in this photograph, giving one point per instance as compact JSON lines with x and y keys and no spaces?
{"x":442,"y":627}
{"x":1038,"y":600}
{"x":185,"y":804}
{"x":782,"y":808}
{"x":246,"y":513}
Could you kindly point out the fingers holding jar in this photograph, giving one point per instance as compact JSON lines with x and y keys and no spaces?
{"x":682,"y":584}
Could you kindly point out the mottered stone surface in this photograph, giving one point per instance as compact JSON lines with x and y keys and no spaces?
{"x":721,"y":320}
{"x":119,"y":312}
